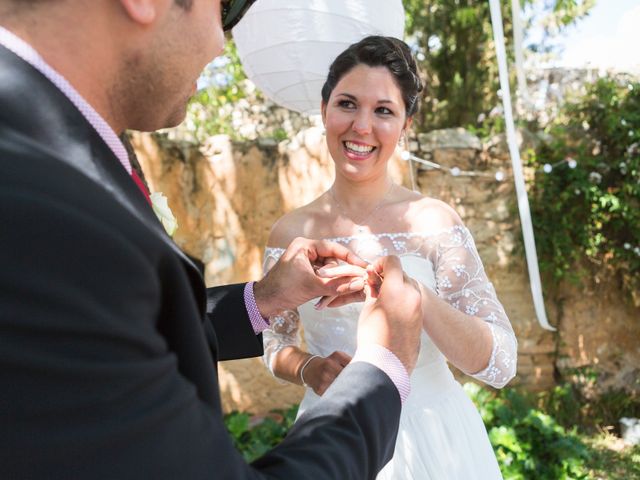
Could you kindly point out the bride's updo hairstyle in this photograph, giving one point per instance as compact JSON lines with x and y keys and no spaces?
{"x":377,"y":51}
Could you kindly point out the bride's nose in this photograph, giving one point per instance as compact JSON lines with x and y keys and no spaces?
{"x":362,"y":123}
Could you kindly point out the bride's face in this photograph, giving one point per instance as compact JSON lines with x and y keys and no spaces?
{"x":364,"y":119}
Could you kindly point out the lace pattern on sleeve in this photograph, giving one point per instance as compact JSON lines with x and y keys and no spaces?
{"x":463,"y":283}
{"x":284,"y":328}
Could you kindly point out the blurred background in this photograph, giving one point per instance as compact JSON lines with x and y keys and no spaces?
{"x":240,"y":161}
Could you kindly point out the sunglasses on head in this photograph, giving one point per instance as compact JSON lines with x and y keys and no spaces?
{"x":232,"y":12}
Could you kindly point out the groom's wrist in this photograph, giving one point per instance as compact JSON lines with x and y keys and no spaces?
{"x":266,"y":298}
{"x":258,"y":321}
{"x":389,"y":363}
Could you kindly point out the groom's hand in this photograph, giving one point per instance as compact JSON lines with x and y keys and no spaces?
{"x":392,"y":313}
{"x":292,"y":281}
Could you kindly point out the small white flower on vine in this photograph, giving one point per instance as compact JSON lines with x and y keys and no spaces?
{"x":165,"y":215}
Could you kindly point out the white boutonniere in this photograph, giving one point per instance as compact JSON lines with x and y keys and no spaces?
{"x":165,"y":215}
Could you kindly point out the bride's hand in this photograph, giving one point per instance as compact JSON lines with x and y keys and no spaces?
{"x":320,"y":373}
{"x":334,"y":269}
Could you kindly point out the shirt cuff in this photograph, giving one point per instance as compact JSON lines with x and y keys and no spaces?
{"x":385,"y":360}
{"x":258,"y":322}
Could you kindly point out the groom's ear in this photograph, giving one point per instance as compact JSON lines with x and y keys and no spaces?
{"x":143,"y":12}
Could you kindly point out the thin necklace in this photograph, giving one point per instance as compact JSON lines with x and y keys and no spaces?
{"x":360,"y":226}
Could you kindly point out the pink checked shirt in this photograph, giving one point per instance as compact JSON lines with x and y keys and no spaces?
{"x":373,"y":354}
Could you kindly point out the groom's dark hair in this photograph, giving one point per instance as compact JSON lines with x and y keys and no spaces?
{"x":377,"y":51}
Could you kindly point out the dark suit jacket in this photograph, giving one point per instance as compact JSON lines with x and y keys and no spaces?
{"x":109,"y":339}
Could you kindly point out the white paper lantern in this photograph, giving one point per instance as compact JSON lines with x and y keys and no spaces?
{"x":286,"y":47}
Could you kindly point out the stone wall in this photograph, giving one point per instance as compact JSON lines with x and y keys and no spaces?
{"x":226,"y":196}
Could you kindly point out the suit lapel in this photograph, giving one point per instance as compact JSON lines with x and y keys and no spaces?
{"x":36,"y":110}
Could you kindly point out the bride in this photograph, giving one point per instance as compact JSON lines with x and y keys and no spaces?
{"x":368,"y":100}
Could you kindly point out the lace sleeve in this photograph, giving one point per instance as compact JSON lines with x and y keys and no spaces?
{"x":284,"y":328}
{"x":463,"y":283}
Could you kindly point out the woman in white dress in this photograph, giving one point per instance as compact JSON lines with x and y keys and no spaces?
{"x":369,"y":99}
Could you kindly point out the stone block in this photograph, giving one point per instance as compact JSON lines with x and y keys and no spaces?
{"x":449,"y":138}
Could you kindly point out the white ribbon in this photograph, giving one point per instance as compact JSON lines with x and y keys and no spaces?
{"x":523,"y":201}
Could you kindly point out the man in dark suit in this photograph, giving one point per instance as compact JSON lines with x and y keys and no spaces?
{"x":108,"y":338}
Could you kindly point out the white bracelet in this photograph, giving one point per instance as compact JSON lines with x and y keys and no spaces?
{"x":304,"y":384}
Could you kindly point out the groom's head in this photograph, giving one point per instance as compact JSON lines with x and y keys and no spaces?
{"x":135,"y":61}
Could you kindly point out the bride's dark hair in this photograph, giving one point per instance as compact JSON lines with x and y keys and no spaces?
{"x":377,"y":51}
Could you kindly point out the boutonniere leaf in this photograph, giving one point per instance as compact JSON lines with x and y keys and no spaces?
{"x":161,"y":208}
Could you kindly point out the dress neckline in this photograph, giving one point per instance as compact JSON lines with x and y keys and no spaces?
{"x":390,"y":235}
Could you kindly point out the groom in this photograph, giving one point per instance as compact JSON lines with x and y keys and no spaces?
{"x":109,"y":340}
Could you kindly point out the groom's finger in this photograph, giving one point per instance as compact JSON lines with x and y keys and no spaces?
{"x":390,"y":270}
{"x":327,"y":249}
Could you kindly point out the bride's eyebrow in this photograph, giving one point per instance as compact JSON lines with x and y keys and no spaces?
{"x":353,"y":97}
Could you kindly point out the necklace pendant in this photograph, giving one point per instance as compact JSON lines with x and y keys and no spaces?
{"x":360,"y":229}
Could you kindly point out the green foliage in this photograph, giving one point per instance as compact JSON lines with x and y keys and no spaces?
{"x":567,"y":11}
{"x":453,"y":42}
{"x":596,"y":204}
{"x":210,"y":111}
{"x":535,"y":436}
{"x":528,"y":442}
{"x":254,"y":437}
{"x":608,"y":460}
{"x":579,"y":401}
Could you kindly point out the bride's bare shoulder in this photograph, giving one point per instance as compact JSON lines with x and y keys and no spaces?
{"x":301,"y":222}
{"x":427,"y":211}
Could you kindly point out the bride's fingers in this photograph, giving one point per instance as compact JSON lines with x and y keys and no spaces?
{"x":333,"y":271}
{"x":342,"y":285}
{"x":347,"y":299}
{"x":323,"y":302}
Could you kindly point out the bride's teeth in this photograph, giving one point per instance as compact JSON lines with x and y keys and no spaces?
{"x":358,"y":148}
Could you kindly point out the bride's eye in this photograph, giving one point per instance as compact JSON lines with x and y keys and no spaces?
{"x":384,"y":111}
{"x":348,"y":104}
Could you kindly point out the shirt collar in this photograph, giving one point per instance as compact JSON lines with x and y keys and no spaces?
{"x":25,"y":51}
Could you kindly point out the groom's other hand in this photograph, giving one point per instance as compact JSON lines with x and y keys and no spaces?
{"x":392,"y":313}
{"x":292,"y":281}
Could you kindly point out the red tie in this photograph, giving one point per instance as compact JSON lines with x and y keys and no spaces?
{"x":141,"y":185}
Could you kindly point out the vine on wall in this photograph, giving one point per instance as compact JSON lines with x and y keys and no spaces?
{"x":587,"y":218}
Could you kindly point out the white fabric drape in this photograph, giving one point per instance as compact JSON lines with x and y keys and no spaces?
{"x":523,"y":200}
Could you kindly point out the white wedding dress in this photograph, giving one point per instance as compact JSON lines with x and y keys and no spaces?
{"x":441,"y":435}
